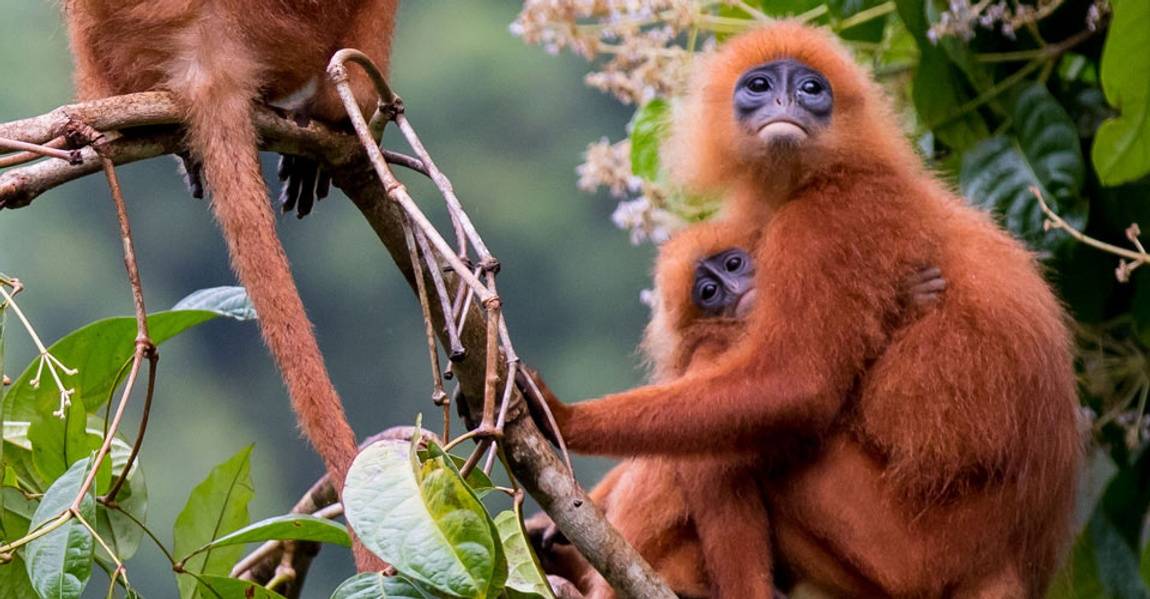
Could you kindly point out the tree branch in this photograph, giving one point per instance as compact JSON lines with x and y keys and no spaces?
{"x":145,"y":125}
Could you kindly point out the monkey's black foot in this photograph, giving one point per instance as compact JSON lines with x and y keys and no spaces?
{"x":193,"y":172}
{"x":304,"y":182}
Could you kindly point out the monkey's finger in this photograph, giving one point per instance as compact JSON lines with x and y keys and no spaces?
{"x":283,"y":167}
{"x":290,"y":193}
{"x":930,"y":286}
{"x":307,"y":172}
{"x":323,"y":184}
{"x":193,"y":173}
{"x":926,"y":274}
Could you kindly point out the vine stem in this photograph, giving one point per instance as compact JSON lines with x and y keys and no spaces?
{"x":1054,"y":221}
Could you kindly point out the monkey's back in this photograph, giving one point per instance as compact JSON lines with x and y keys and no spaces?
{"x":978,"y":397}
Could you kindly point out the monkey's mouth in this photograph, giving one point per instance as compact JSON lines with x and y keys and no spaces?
{"x":746,"y":304}
{"x":781,"y":128}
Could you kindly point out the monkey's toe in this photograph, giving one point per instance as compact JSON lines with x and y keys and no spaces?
{"x":193,"y":173}
{"x":304,"y":183}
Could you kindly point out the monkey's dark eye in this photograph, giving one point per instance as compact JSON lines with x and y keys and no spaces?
{"x":758,"y":84}
{"x":707,"y":291}
{"x":811,"y":87}
{"x":733,"y":264}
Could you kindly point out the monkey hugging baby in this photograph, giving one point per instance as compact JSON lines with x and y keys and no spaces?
{"x":822,"y":410}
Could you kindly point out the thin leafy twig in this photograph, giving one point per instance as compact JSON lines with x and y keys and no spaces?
{"x":1134,"y":258}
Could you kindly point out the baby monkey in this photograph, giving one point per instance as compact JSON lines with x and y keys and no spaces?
{"x":679,"y":523}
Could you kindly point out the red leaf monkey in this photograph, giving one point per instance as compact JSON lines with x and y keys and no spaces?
{"x":948,"y":450}
{"x":219,"y":58}
{"x":704,"y":289}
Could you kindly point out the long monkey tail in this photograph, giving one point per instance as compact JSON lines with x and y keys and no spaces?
{"x":219,"y":87}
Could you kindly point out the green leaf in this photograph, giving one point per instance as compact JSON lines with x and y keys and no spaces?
{"x":232,"y":302}
{"x":424,"y":520}
{"x":649,"y":127}
{"x":99,"y":351}
{"x":115,"y":527}
{"x":15,"y":513}
{"x":525,"y":577}
{"x":215,"y":507}
{"x":227,"y":588}
{"x":476,"y":479}
{"x":1101,"y":565}
{"x":997,"y":173}
{"x":60,"y":562}
{"x":868,"y":31}
{"x":294,"y":527}
{"x":1121,"y":151}
{"x":786,"y":8}
{"x":374,"y":585}
{"x":939,"y":89}
{"x":14,"y":582}
{"x":57,"y":443}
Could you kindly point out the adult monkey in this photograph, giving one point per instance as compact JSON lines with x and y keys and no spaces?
{"x":219,"y":58}
{"x":953,"y":471}
{"x":704,"y":289}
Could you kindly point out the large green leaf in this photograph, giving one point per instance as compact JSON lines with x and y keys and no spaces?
{"x":998,"y":173}
{"x":868,"y":31}
{"x":14,"y":583}
{"x":525,"y":577}
{"x":374,"y":585}
{"x":229,"y":588}
{"x":294,"y":527}
{"x":1102,"y":565}
{"x":424,"y":520}
{"x":939,"y":88}
{"x":57,"y":442}
{"x":215,"y":507}
{"x":60,"y":562}
{"x":1121,"y":151}
{"x":649,"y":127}
{"x":99,"y":352}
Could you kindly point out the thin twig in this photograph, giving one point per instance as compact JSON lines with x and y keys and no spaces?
{"x":1136,"y":257}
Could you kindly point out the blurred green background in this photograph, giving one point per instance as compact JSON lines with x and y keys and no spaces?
{"x":505,"y":121}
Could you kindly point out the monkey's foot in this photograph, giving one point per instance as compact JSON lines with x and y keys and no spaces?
{"x":304,"y":182}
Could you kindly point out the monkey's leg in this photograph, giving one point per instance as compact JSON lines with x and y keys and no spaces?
{"x":725,"y":503}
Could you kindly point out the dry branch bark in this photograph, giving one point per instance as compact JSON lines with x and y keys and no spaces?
{"x":145,"y":125}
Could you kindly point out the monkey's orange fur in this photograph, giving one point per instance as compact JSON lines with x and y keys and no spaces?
{"x":220,"y":57}
{"x":948,"y":448}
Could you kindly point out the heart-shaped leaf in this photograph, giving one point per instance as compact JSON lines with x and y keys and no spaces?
{"x":216,"y":506}
{"x":424,"y":520}
{"x":525,"y":577}
{"x":59,"y":563}
{"x":1121,"y":151}
{"x":998,"y":173}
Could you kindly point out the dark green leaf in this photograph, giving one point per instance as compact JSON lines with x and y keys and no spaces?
{"x":99,"y":351}
{"x":869,"y":31}
{"x":424,"y":520}
{"x":57,"y":442}
{"x":295,"y":527}
{"x":232,"y":302}
{"x":649,"y":128}
{"x":60,"y":562}
{"x":14,"y":583}
{"x":1121,"y":151}
{"x":997,"y":173}
{"x":525,"y":577}
{"x":939,"y":89}
{"x":15,"y":513}
{"x":223,"y":587}
{"x":373,"y":585}
{"x":215,"y":507}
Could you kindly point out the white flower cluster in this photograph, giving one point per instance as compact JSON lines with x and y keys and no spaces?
{"x":962,"y":17}
{"x":641,"y":49}
{"x":641,"y":210}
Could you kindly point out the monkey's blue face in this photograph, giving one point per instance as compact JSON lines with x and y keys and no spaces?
{"x":784,"y":101}
{"x":724,"y":284}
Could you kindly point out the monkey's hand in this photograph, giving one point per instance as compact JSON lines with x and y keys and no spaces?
{"x":304,"y":182}
{"x":922,"y":290}
{"x":541,"y":400}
